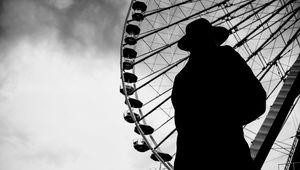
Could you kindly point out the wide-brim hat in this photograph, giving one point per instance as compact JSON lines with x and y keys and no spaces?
{"x":203,"y":29}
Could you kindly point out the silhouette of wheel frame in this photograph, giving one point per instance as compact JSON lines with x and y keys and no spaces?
{"x":264,"y":32}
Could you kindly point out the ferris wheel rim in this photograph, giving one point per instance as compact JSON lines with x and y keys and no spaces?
{"x":137,"y":124}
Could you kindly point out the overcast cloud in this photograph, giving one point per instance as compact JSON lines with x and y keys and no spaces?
{"x":60,"y":108}
{"x":76,"y":23}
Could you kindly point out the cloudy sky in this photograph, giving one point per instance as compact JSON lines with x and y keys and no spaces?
{"x":60,"y":107}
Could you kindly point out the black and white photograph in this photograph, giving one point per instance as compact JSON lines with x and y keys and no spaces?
{"x":149,"y":84}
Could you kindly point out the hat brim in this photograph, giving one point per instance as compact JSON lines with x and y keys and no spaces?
{"x":220,"y":34}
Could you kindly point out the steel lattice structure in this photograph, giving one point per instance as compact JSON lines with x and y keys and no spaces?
{"x":264,"y":32}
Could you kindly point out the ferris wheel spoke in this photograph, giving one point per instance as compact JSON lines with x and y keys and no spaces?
{"x":168,"y":8}
{"x":279,"y":55}
{"x":156,"y":51}
{"x":156,"y":107}
{"x":285,"y":143}
{"x":152,"y":52}
{"x":235,"y":29}
{"x":153,"y":72}
{"x":276,"y":12}
{"x":281,"y":147}
{"x":269,"y":84}
{"x":158,"y":96}
{"x":158,"y":33}
{"x":279,"y":150}
{"x":277,"y":142}
{"x":280,"y":69}
{"x":171,"y":66}
{"x":239,"y":6}
{"x":158,"y":11}
{"x":164,"y":123}
{"x":259,"y":9}
{"x":182,"y":20}
{"x":272,"y":36}
{"x":267,"y":27}
{"x":267,"y":69}
{"x":276,"y":60}
{"x":292,"y":108}
{"x":226,"y":16}
{"x":165,"y":138}
{"x":157,"y":72}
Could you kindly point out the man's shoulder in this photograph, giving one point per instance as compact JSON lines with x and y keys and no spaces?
{"x":226,"y":48}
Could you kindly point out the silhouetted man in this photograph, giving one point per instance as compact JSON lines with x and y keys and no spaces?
{"x":214,"y":95}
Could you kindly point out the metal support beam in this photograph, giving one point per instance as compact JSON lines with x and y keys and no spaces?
{"x":276,"y":117}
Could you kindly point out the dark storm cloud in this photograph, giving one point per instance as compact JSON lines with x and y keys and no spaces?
{"x":82,"y":22}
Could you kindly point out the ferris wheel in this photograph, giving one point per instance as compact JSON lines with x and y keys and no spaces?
{"x":264,"y":32}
